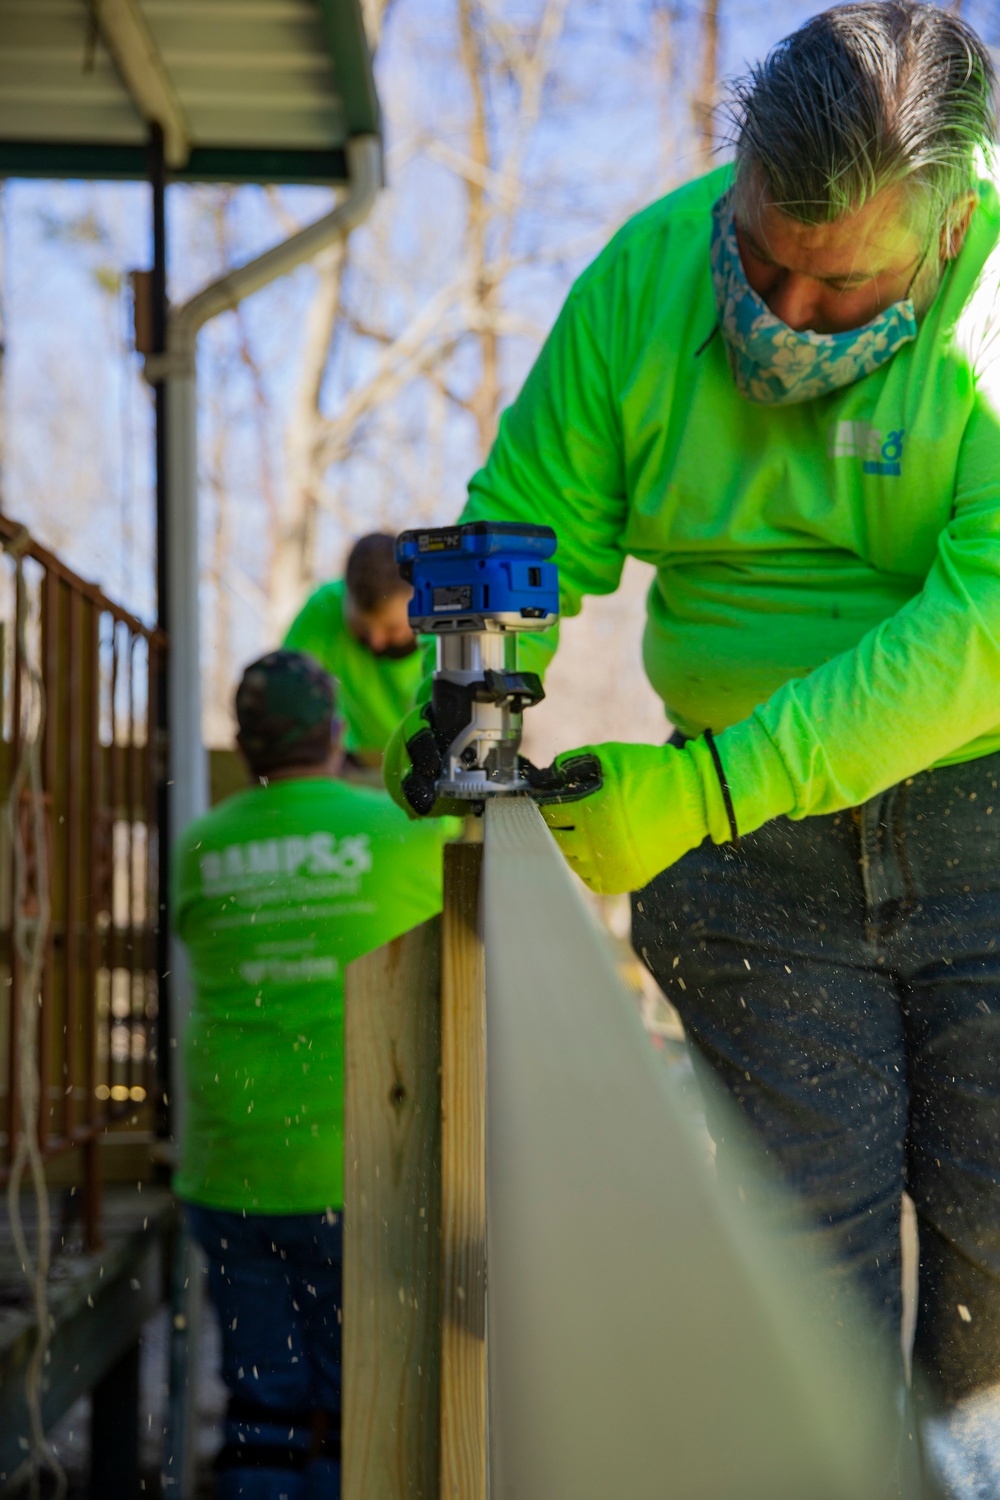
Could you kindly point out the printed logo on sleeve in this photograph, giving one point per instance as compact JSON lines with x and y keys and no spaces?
{"x":878,"y":455}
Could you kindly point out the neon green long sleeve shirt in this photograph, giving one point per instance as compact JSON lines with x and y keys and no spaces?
{"x":827,"y":590}
{"x":276,"y":890}
{"x":374,"y":692}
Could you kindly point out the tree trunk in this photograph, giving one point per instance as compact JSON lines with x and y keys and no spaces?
{"x":705,"y":97}
{"x":292,"y":569}
{"x":3,"y":350}
{"x":374,"y":14}
{"x":485,"y":401}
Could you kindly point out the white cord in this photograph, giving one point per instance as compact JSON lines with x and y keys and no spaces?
{"x":30,"y":936}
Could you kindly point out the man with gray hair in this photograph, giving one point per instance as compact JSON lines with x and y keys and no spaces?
{"x":781,"y":386}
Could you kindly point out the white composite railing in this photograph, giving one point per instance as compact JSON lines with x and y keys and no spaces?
{"x":646,"y":1339}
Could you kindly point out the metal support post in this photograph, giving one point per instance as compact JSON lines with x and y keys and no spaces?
{"x":158,"y":309}
{"x":174,"y":371}
{"x":114,"y":1430}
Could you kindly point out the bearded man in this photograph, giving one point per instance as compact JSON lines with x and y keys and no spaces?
{"x":358,"y":629}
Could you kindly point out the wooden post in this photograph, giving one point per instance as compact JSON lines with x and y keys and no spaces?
{"x":463,"y":1181}
{"x":414,"y":1425}
{"x":392,"y":1251}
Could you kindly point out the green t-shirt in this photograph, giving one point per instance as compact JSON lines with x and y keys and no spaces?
{"x":276,"y":890}
{"x":827,"y":574}
{"x":376,"y":692}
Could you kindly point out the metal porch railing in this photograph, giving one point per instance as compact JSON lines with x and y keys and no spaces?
{"x":86,"y":670}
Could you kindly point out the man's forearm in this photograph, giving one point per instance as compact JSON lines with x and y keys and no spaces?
{"x":915,"y":690}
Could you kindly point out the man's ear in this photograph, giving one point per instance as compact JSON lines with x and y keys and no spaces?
{"x":956,"y":225}
{"x":252,"y":776}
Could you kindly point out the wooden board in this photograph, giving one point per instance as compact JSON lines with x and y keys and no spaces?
{"x":463,"y":1181}
{"x":392,"y":1250}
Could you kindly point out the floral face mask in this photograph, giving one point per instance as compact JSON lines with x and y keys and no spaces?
{"x":775,"y":365}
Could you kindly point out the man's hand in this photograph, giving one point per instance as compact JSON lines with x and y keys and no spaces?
{"x":412,"y":765}
{"x":625,"y":812}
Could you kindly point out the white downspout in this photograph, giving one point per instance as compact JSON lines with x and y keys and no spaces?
{"x":188,"y":761}
{"x":189,"y":792}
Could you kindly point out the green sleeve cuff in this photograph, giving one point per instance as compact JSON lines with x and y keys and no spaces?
{"x":759,"y":784}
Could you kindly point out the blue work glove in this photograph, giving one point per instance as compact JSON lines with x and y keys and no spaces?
{"x":622,"y":813}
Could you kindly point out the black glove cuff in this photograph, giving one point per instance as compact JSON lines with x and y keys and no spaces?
{"x":578,"y":777}
{"x":720,"y":771}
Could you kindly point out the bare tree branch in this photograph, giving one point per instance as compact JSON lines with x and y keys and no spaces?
{"x":470,"y":305}
{"x":471,"y":171}
{"x":429,"y":337}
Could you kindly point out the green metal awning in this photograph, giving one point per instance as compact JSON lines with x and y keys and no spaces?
{"x":245,"y":90}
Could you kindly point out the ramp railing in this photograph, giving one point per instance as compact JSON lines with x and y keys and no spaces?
{"x":78,"y":673}
{"x":510,"y":1123}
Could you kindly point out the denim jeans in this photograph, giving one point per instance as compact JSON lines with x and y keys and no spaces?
{"x":275,"y":1281}
{"x":841,"y":977}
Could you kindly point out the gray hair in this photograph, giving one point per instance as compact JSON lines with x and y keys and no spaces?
{"x":860,"y":98}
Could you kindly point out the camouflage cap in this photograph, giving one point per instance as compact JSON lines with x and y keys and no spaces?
{"x":285,"y":707}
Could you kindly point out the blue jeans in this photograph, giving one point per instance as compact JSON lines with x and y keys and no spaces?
{"x":275,"y":1281}
{"x":840,"y":976}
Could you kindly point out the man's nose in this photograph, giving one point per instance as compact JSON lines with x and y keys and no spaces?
{"x":794,"y":300}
